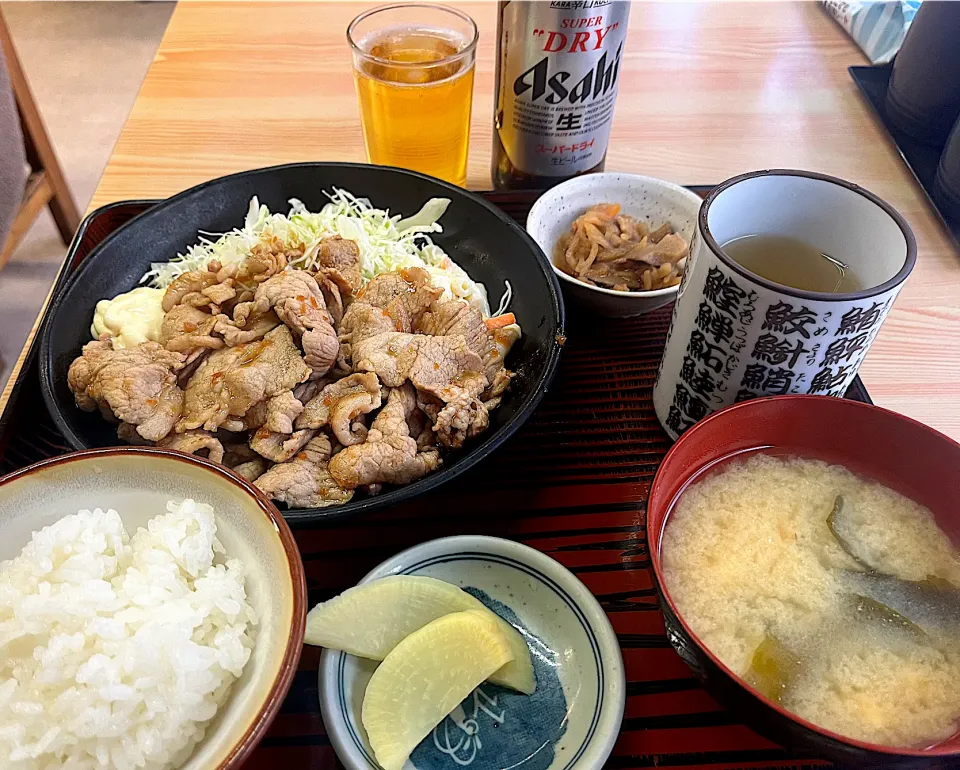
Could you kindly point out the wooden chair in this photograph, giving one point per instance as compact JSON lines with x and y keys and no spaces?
{"x":46,"y":185}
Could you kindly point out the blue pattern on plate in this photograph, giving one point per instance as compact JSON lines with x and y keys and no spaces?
{"x":352,"y":721}
{"x":497,"y":728}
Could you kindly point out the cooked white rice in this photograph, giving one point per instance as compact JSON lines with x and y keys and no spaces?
{"x":116,"y":651}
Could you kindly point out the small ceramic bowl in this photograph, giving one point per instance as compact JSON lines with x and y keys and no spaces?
{"x":137,"y":482}
{"x":894,"y":450}
{"x":572,"y":720}
{"x":642,"y":197}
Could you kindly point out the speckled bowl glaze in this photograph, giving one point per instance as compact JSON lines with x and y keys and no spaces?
{"x":137,"y":482}
{"x":880,"y":445}
{"x":642,"y":197}
{"x":570,"y":723}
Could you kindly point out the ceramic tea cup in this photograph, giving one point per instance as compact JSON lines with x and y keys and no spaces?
{"x":735,"y":335}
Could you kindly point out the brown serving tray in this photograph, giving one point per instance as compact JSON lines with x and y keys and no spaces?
{"x":572,"y":483}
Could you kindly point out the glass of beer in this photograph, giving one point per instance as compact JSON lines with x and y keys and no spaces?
{"x":413,"y":66}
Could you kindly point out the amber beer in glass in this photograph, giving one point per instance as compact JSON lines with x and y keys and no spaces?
{"x":413,"y":66}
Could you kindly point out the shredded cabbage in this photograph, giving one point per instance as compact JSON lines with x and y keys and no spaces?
{"x":386,"y":243}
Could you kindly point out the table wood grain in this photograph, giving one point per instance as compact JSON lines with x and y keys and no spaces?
{"x":707,"y":91}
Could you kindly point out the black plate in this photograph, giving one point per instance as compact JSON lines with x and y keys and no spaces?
{"x":478,"y":236}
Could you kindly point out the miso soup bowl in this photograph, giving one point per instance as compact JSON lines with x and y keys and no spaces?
{"x":875,"y":443}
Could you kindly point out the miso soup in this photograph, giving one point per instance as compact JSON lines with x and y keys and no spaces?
{"x":833,"y":595}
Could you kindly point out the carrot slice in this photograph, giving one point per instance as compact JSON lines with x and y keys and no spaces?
{"x":498,"y":322}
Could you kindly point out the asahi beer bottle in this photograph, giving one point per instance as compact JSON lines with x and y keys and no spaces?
{"x":558,"y":63}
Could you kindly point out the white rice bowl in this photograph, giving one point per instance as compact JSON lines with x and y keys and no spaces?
{"x":117,"y":650}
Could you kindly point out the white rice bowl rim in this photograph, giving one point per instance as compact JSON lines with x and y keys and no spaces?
{"x":258,"y":719}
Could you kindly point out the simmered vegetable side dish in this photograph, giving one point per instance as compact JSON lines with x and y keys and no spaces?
{"x":832,"y":595}
{"x":615,"y":251}
{"x":313,"y":383}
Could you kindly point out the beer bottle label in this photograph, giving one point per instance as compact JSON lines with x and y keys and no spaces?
{"x":559,"y":63}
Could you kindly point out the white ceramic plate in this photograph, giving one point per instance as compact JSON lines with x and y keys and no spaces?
{"x":643,"y":197}
{"x":570,"y":723}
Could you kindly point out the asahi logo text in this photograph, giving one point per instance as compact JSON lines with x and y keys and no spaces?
{"x":595,"y":83}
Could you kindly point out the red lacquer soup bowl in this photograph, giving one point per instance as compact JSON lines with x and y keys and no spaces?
{"x":894,"y":450}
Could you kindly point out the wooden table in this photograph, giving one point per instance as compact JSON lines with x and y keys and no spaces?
{"x":707,"y":91}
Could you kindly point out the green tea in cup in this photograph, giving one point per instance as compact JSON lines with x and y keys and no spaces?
{"x":791,"y":262}
{"x":791,"y":274}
